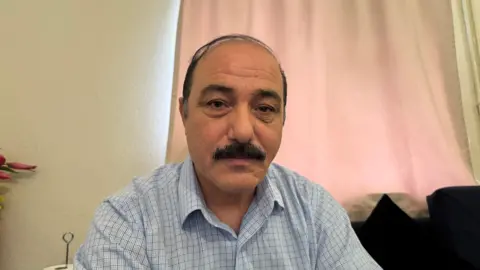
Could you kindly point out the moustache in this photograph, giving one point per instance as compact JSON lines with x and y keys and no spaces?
{"x":239,"y":150}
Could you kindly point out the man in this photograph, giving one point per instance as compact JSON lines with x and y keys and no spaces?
{"x":226,"y":206}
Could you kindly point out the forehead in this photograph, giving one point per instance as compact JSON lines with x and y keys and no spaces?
{"x":238,"y":63}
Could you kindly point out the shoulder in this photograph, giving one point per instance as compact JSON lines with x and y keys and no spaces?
{"x":121,"y":220}
{"x":317,"y":203}
{"x":142,"y":193}
{"x":292,"y":184}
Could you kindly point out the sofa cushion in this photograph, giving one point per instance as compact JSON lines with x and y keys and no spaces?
{"x":396,"y":241}
{"x":455,"y":216}
{"x":360,"y":208}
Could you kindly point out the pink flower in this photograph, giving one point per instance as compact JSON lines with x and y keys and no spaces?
{"x":4,"y":176}
{"x":2,"y":160}
{"x":21,"y":166}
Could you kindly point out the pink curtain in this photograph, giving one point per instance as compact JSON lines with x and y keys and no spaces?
{"x":373,"y":101}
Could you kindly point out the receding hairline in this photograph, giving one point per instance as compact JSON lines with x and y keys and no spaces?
{"x":257,"y":44}
{"x":239,"y":40}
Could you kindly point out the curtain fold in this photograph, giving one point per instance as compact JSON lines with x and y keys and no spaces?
{"x":466,"y":18}
{"x":373,"y":102}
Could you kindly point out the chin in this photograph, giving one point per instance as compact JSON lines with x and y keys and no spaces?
{"x":238,"y":181}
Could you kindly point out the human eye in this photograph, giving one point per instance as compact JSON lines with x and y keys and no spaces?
{"x":216,"y":104}
{"x":266,"y":109}
{"x":265,"y":112}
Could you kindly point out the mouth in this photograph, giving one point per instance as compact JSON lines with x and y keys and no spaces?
{"x":237,"y":162}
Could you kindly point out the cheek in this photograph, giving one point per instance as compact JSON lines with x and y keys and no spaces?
{"x":270,"y":139}
{"x":206,"y":135}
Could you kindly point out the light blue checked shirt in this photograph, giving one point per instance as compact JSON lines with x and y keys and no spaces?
{"x":161,"y":222}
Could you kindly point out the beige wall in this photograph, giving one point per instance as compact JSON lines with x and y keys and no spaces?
{"x":85,"y":92}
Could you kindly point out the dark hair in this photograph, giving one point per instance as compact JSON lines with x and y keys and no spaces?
{"x":200,"y":53}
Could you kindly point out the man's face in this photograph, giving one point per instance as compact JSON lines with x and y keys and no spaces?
{"x":236,"y":98}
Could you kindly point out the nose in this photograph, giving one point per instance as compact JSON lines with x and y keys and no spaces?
{"x":242,"y":124}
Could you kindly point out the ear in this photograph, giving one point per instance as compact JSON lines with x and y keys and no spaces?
{"x":181,"y":109}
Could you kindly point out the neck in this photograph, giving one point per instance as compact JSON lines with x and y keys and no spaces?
{"x":216,"y":199}
{"x":228,"y":207}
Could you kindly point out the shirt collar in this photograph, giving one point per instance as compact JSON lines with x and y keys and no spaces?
{"x":189,"y":192}
{"x":268,"y":190}
{"x":191,"y":197}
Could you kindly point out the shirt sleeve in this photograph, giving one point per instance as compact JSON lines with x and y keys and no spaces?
{"x":338,"y":245}
{"x":115,"y":240}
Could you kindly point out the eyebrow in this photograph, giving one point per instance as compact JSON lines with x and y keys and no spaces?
{"x":216,"y":88}
{"x":268,"y":93}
